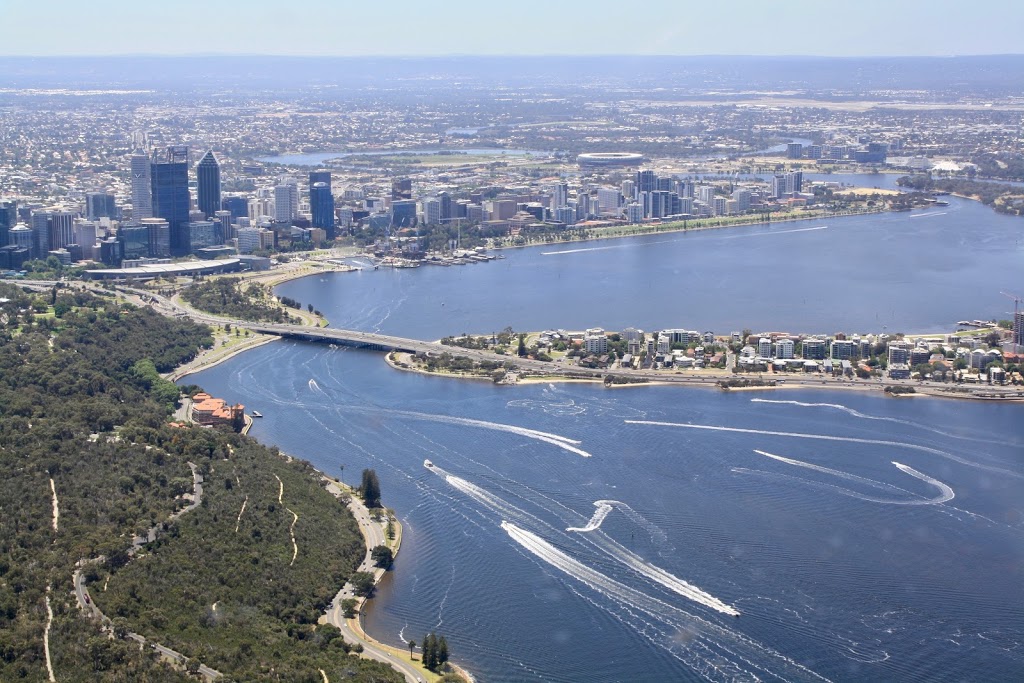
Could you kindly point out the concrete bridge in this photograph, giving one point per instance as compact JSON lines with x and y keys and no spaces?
{"x":352,"y":338}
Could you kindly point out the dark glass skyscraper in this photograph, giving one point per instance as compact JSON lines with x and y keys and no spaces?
{"x":171,"y":201}
{"x":100,"y":205}
{"x":8,"y":219}
{"x":321,"y":202}
{"x":208,"y":177}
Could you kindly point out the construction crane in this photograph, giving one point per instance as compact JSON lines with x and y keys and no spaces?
{"x":1018,"y":323}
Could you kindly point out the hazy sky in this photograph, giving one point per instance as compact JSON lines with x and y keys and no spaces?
{"x":510,"y":27}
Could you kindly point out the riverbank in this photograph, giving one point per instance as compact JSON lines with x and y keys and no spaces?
{"x":215,"y":355}
{"x":375,"y":532}
{"x":698,"y":225}
{"x":714,"y":380}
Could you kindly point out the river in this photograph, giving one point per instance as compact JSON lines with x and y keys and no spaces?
{"x":861,"y":538}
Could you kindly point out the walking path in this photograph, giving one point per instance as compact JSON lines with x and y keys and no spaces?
{"x":86,"y":604}
{"x":46,"y":633}
{"x":374,"y":533}
{"x":56,"y":504}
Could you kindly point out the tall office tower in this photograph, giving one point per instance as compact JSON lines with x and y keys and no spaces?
{"x":321,"y":202}
{"x":142,"y":186}
{"x":224,"y":218}
{"x":446,"y":206}
{"x":431,"y":211}
{"x":1018,"y":331}
{"x":40,"y":234}
{"x":403,"y":213}
{"x":85,"y":236}
{"x":559,"y":196}
{"x":685,"y":188}
{"x":286,"y":203}
{"x":401,"y":188}
{"x":62,"y":229}
{"x":171,"y":199}
{"x":238,"y":206}
{"x":628,"y":190}
{"x":208,"y":178}
{"x":8,"y":219}
{"x":646,"y":181}
{"x":100,"y":205}
{"x":582,"y":205}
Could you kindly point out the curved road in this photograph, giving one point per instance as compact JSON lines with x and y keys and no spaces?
{"x":374,"y":533}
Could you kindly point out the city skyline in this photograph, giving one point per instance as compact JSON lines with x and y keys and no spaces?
{"x":872,"y":28}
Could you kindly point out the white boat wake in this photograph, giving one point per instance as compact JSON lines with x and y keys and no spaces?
{"x":602,"y":542}
{"x":947,"y":493}
{"x":703,"y":645}
{"x":775,"y":232}
{"x":563,"y":442}
{"x":603,"y":508}
{"x":827,"y":437}
{"x":881,"y":418}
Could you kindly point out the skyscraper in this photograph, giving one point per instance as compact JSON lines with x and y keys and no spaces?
{"x":208,"y":177}
{"x":8,"y":219}
{"x":142,"y":187}
{"x":321,"y":202}
{"x":646,"y":181}
{"x":52,"y":229}
{"x":286,"y":203}
{"x":171,"y":200}
{"x":100,"y":205}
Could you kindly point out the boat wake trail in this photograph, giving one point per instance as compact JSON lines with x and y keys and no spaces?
{"x":947,"y":493}
{"x":613,"y":246}
{"x":563,"y":442}
{"x":600,"y":541}
{"x":313,"y":386}
{"x":603,"y":508}
{"x":927,"y":215}
{"x":827,"y":437}
{"x":775,"y":232}
{"x":865,"y":416}
{"x":715,"y":652}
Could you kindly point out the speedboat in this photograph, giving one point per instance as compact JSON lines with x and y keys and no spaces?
{"x":427,"y":463}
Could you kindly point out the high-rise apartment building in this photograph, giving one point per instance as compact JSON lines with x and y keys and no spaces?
{"x":286,"y":202}
{"x":208,"y":181}
{"x":171,"y":199}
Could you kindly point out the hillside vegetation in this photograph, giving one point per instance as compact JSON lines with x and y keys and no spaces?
{"x":79,"y":405}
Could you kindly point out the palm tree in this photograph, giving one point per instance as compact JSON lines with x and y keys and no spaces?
{"x":412,"y":646}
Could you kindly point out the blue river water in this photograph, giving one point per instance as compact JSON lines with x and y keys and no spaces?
{"x":568,"y":532}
